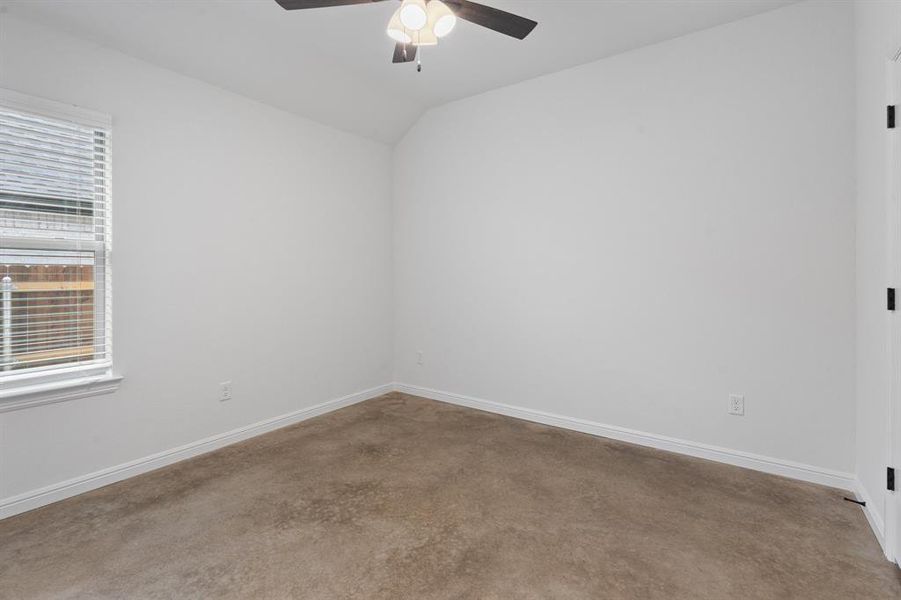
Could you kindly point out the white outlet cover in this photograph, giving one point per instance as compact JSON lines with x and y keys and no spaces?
{"x":736,"y":405}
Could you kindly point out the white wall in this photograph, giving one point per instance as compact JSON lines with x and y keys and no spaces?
{"x":878,"y":36}
{"x":249,"y":245}
{"x":632,"y":240}
{"x":627,"y":242}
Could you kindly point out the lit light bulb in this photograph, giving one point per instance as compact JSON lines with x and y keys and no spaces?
{"x":441,"y":19}
{"x":413,"y":15}
{"x":396,"y":29}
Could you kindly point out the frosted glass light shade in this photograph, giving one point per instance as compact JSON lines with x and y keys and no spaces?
{"x":442,"y":20}
{"x":424,"y":37}
{"x":396,"y":29}
{"x":413,"y":14}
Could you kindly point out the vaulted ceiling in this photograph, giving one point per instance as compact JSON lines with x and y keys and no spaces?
{"x":333,"y":65}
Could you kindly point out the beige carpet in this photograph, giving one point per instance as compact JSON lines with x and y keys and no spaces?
{"x":401,"y":497}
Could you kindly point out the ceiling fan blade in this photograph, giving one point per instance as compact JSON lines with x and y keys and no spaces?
{"x":297,"y":4}
{"x":492,"y":18}
{"x":400,"y":56}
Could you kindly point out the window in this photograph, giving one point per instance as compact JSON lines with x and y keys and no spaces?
{"x":55,"y":243}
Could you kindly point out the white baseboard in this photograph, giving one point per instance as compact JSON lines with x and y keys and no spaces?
{"x":78,"y":485}
{"x":775,"y":466}
{"x":873,"y":517}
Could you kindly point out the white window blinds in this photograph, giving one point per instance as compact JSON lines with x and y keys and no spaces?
{"x":55,"y":293}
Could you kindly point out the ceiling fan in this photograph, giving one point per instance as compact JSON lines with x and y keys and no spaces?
{"x":422,"y":22}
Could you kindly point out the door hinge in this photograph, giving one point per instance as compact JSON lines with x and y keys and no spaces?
{"x":890,"y":298}
{"x":890,"y":113}
{"x":890,"y":479}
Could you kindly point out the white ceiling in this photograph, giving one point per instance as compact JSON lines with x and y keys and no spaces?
{"x":334,"y":64}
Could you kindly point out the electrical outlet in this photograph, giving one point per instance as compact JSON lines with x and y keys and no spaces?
{"x":226,"y":391}
{"x":419,"y":358}
{"x":736,"y":405}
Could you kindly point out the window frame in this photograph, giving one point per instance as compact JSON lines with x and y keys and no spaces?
{"x":54,"y":384}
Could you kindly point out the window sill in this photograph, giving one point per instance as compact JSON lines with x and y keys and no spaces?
{"x":57,"y":391}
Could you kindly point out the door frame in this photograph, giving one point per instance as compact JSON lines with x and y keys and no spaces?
{"x":892,"y":526}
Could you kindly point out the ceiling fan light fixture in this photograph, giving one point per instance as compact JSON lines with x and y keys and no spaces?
{"x":396,"y":29}
{"x":442,"y":20}
{"x":413,"y":15}
{"x":422,"y":22}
